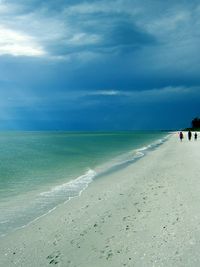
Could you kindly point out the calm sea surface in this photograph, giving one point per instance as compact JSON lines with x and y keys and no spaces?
{"x":39,"y":170}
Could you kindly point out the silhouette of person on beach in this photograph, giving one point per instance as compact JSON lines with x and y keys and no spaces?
{"x":181,"y":136}
{"x":195,"y":136}
{"x":189,"y":135}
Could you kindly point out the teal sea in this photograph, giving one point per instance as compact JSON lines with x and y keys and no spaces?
{"x":40,"y":170}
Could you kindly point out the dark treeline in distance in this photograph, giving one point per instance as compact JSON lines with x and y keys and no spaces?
{"x":195,"y":125}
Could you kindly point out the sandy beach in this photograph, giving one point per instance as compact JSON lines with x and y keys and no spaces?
{"x":146,"y":214}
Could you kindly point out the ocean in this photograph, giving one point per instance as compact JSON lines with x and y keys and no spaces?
{"x":40,"y":170}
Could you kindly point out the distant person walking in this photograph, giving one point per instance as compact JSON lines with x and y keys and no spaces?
{"x":181,"y":136}
{"x":189,"y":135}
{"x":195,"y":136}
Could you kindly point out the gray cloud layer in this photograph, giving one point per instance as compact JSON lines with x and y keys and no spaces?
{"x":64,"y":52}
{"x":63,"y":28}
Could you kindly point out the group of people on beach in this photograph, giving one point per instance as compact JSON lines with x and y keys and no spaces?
{"x":189,"y":134}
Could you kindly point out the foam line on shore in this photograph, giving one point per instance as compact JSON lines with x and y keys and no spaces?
{"x":49,"y":200}
{"x":142,"y":215}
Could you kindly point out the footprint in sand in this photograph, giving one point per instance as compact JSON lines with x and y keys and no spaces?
{"x":54,"y":258}
{"x":109,"y":255}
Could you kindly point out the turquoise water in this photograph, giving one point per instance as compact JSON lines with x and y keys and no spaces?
{"x":39,"y":170}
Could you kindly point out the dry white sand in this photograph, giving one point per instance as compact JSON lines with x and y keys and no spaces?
{"x":147,"y":214}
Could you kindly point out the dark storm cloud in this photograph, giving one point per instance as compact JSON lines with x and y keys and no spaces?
{"x":72,"y":59}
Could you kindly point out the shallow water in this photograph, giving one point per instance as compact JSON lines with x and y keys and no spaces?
{"x":39,"y":170}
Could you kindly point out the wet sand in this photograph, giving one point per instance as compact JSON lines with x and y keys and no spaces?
{"x":147,"y":214}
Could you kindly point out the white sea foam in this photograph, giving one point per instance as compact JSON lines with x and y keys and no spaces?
{"x":4,"y":222}
{"x":47,"y":201}
{"x":74,"y":185}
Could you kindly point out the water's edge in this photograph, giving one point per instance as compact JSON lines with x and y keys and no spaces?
{"x":74,"y":188}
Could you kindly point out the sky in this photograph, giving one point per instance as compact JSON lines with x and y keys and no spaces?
{"x":99,"y":65}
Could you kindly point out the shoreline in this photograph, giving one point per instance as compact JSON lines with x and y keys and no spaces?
{"x":146,"y":214}
{"x":81,"y":183}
